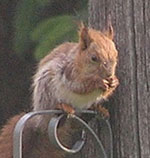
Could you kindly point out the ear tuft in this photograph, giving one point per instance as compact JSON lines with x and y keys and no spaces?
{"x":109,"y":31}
{"x":85,"y":38}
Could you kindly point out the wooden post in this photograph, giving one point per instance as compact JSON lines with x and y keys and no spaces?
{"x":130,"y":106}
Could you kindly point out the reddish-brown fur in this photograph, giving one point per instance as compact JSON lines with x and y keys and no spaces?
{"x":6,"y":137}
{"x":81,"y":70}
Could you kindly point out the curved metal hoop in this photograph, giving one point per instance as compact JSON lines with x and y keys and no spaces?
{"x":52,"y":132}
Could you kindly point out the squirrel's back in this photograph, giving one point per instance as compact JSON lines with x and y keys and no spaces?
{"x":62,"y":49}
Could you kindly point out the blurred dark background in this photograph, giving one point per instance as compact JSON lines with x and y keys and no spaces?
{"x":29,"y":29}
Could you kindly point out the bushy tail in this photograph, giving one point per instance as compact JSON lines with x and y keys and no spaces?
{"x":6,"y":137}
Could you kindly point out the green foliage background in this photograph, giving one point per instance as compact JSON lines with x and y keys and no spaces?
{"x":52,"y":32}
{"x":42,"y":25}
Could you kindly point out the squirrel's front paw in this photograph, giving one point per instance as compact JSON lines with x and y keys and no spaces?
{"x":111,"y":82}
{"x":102,"y":111}
{"x":114,"y":82}
{"x":66,"y":108}
{"x":104,"y":85}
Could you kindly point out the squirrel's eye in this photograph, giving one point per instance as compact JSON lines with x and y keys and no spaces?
{"x":94,"y":58}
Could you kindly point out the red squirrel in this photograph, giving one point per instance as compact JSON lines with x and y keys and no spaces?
{"x":72,"y":76}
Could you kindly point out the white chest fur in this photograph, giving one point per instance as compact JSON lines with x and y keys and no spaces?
{"x":79,"y":101}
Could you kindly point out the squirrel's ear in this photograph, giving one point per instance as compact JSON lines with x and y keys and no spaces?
{"x":109,"y":32}
{"x":85,"y":38}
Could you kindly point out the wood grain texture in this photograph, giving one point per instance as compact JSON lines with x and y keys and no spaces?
{"x":143,"y":62}
{"x":130,"y":106}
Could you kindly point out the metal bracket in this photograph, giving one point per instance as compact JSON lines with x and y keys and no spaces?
{"x":52,"y":132}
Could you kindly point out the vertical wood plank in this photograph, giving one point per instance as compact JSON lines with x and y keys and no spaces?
{"x":130,"y":106}
{"x":147,"y":49}
{"x":141,"y":10}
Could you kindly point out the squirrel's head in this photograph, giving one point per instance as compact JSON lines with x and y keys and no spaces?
{"x":97,"y":55}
